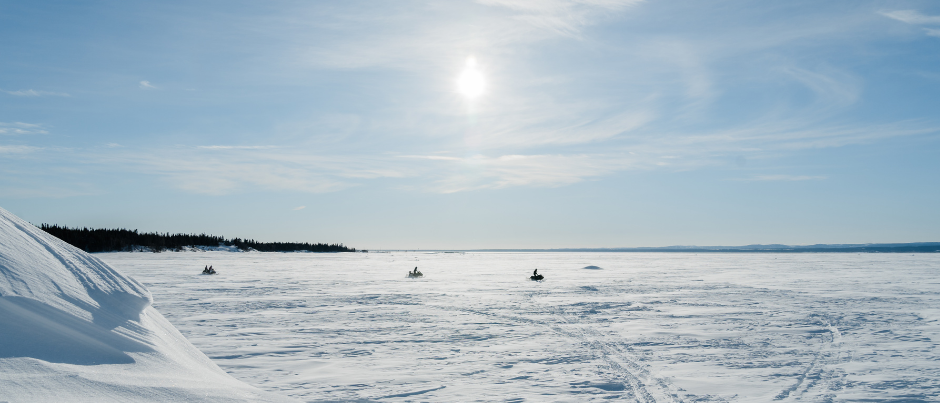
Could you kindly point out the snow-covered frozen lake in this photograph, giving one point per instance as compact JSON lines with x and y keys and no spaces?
{"x":663,"y":327}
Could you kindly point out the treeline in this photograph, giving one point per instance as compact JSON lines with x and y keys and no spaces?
{"x":117,"y":240}
{"x":245,"y":244}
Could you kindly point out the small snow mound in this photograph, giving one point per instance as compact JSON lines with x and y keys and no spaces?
{"x":74,"y":329}
{"x":592,"y":268}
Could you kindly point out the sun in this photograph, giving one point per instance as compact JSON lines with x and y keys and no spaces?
{"x":471,"y":83}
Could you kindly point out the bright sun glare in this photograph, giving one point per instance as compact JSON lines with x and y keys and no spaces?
{"x":470,"y":83}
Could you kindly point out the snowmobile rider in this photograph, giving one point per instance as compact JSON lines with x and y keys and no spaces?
{"x":535,"y":273}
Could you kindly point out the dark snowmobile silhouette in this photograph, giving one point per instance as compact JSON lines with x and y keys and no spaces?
{"x":208,"y":270}
{"x":415,"y":273}
{"x":536,"y":276}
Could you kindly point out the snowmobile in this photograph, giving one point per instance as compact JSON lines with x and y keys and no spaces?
{"x":536,"y":276}
{"x":415,"y":273}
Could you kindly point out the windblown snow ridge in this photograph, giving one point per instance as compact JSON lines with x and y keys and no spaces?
{"x":74,"y":329}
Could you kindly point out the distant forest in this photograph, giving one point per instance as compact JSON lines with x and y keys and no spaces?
{"x":117,"y":240}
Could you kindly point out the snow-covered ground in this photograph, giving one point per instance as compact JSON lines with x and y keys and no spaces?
{"x":646,"y":327}
{"x":73,"y":329}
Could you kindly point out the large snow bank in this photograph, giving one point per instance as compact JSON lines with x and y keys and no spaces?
{"x":74,"y":329}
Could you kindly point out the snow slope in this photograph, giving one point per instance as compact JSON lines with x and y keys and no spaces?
{"x":74,"y":329}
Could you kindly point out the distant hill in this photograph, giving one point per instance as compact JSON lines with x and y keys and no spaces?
{"x":119,"y":240}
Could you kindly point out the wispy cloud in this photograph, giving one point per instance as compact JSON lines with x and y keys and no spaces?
{"x":563,"y":17}
{"x":35,"y":93}
{"x":524,"y":126}
{"x":236,"y":147}
{"x":46,"y":191}
{"x":16,"y":149}
{"x":234,"y":170}
{"x":223,"y":177}
{"x":912,"y":17}
{"x":833,"y":89}
{"x":145,"y":85}
{"x":786,"y":178}
{"x":299,"y":208}
{"x":15,"y":128}
{"x":482,"y":172}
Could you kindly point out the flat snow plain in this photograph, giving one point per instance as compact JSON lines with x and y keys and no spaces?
{"x":648,"y":327}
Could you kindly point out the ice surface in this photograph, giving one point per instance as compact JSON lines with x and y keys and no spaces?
{"x":663,"y":327}
{"x":74,"y":329}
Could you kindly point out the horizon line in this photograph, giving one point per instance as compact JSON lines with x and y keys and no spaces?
{"x":929,"y":247}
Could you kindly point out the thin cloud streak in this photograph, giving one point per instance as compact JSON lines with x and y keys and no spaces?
{"x":34,"y":93}
{"x":17,"y":128}
{"x":48,"y":192}
{"x":912,"y":17}
{"x":481,"y":172}
{"x":561,"y":17}
{"x":17,"y":149}
{"x":784,"y":178}
{"x":216,"y":176}
{"x":236,"y":147}
{"x":235,"y":170}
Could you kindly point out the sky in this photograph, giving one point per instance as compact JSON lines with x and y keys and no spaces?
{"x":476,"y":124}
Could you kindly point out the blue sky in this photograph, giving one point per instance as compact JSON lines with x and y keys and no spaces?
{"x":601,"y":123}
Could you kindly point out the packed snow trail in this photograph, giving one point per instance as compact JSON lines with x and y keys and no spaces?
{"x":74,"y":329}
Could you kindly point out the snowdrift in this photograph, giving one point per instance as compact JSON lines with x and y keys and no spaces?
{"x":74,"y":329}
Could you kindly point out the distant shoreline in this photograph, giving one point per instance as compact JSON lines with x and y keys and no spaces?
{"x":914,"y":247}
